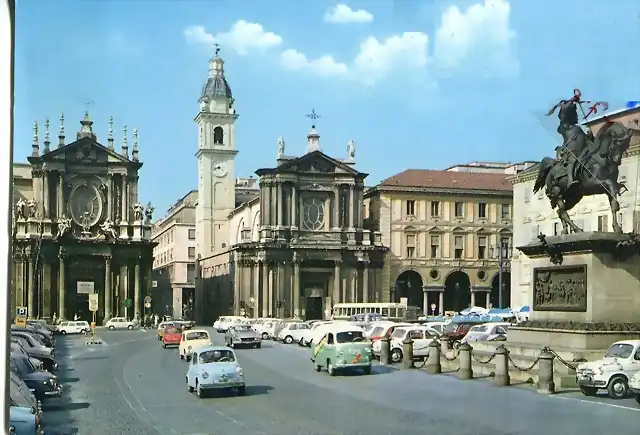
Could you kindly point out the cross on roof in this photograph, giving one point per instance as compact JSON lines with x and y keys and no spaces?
{"x":217,"y":46}
{"x":313,"y":116}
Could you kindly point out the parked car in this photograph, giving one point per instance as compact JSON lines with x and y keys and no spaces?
{"x":17,"y":349}
{"x":486,"y":332}
{"x":282,"y":324}
{"x":171,"y":336}
{"x":33,"y":337}
{"x":291,"y":332}
{"x":74,"y":327}
{"x":36,"y":350}
{"x":242,"y":335}
{"x":161,"y":327}
{"x":343,"y":347}
{"x":21,"y":394}
{"x":454,"y":333}
{"x":184,"y":324}
{"x":267,"y":328}
{"x":22,"y":420}
{"x":214,"y":368}
{"x":119,"y":323}
{"x":42,"y":384}
{"x":421,"y":336}
{"x":191,"y":340}
{"x":612,"y":372}
{"x":634,"y":386}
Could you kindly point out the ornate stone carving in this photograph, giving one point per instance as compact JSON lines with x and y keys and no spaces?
{"x":32,"y":205}
{"x":560,"y":288}
{"x":581,"y":326}
{"x":64,"y":226}
{"x":315,"y":187}
{"x":107,"y":228}
{"x":316,"y":165}
{"x":21,"y":209}
{"x":149,"y":213}
{"x":138,"y":211}
{"x":118,"y":201}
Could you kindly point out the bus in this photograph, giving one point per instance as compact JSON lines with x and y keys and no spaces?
{"x":388,"y":311}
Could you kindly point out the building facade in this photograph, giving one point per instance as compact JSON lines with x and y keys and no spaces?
{"x":174,"y":264}
{"x":79,"y":228}
{"x":443,"y":229}
{"x":533,"y":214}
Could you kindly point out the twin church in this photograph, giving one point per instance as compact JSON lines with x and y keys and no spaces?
{"x":295,"y":247}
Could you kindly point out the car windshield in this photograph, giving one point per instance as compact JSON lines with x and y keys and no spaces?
{"x":22,"y":365}
{"x":214,"y":356}
{"x":201,"y":335}
{"x":303,"y":326}
{"x":242,"y":328}
{"x":349,"y":337}
{"x":619,"y":350}
{"x":398,"y":333}
{"x":375,"y":332}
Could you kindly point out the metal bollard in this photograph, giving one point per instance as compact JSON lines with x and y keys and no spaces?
{"x":466,"y":371}
{"x":501,"y":376}
{"x":385,"y":351}
{"x":407,"y":353}
{"x":434,"y":366}
{"x":545,"y":373}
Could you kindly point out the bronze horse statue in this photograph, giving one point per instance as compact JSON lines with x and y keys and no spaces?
{"x":588,"y":166}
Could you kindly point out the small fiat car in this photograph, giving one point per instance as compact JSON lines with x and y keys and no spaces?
{"x":634,"y":386}
{"x":343,"y":347}
{"x":171,"y":336}
{"x":242,"y":335}
{"x":191,"y":340}
{"x":214,"y":368}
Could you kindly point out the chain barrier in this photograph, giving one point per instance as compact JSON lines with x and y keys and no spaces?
{"x":559,"y":358}
{"x":479,"y":361}
{"x":424,"y":363}
{"x":455,"y":356}
{"x":522,"y":369}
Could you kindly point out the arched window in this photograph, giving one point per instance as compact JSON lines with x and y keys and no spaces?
{"x":218,"y":136}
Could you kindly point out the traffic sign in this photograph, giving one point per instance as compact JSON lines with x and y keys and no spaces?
{"x":147,"y":299}
{"x":93,"y":302}
{"x":21,"y":317}
{"x":127,"y":303}
{"x":21,"y":312}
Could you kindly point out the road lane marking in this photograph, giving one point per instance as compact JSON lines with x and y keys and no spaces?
{"x":612,"y":405}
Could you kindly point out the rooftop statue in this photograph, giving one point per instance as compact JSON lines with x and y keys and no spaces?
{"x":587,"y":165}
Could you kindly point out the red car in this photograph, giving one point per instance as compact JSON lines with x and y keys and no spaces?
{"x":171,"y":336}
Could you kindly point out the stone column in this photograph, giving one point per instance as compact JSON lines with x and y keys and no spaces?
{"x":280,"y":289}
{"x":272,"y":206}
{"x":45,"y":187}
{"x":352,"y":206}
{"x":124,"y":282}
{"x":61,"y":289}
{"x":365,"y":282}
{"x":425,"y":302}
{"x":125,"y":199}
{"x":60,"y":194}
{"x":487,"y":300}
{"x":31,"y":297}
{"x":441,"y":302}
{"x":110,"y":196}
{"x":336,"y":207}
{"x":279,"y":205}
{"x":272,"y":275}
{"x":255,"y":289}
{"x":264,"y":300}
{"x":136,"y":291}
{"x":294,"y":206}
{"x":237,"y":284}
{"x":46,"y":291}
{"x":473,"y":298}
{"x":19,"y":280}
{"x":336,"y":281}
{"x":296,"y":285}
{"x":354,"y":285}
{"x":107,"y":288}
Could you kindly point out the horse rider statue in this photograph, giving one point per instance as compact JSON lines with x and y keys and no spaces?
{"x":587,"y":165}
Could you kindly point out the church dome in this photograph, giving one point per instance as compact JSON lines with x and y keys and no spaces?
{"x":217,"y":85}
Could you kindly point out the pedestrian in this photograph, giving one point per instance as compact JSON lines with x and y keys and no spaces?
{"x":75,"y":317}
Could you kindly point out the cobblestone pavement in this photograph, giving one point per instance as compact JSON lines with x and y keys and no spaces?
{"x":130,"y":385}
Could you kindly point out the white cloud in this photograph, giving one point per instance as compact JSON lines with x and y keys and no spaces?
{"x":481,"y":35}
{"x":343,"y":14}
{"x":323,"y":66}
{"x":242,"y":37}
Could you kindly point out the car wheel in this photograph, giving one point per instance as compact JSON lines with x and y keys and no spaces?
{"x":189,"y":387}
{"x":318,"y":368}
{"x":589,"y":391}
{"x":265,"y":336}
{"x":638,"y":398}
{"x":130,"y":327}
{"x":288,"y":339}
{"x":618,"y":387}
{"x":63,"y":332}
{"x":396,"y":355}
{"x":456,"y":344}
{"x":187,"y":358}
{"x":301,"y":342}
{"x":164,"y":346}
{"x":111,"y":328}
{"x":330,"y":368}
{"x":181,"y":356}
{"x":242,"y":391}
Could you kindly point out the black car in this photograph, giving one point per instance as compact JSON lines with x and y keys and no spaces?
{"x":42,"y":384}
{"x":44,"y":338}
{"x":36,"y":350}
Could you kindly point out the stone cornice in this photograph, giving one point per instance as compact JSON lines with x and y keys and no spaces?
{"x":441,"y":192}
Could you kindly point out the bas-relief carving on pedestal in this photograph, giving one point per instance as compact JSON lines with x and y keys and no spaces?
{"x":560,"y":288}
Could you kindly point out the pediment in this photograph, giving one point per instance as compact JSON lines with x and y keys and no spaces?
{"x":85,"y":151}
{"x":435,"y":229}
{"x":481,"y":230}
{"x":316,"y":162}
{"x":526,"y":220}
{"x":458,"y":229}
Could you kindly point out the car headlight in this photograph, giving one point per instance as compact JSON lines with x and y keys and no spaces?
{"x":45,"y":382}
{"x":205,"y":375}
{"x":239,"y":371}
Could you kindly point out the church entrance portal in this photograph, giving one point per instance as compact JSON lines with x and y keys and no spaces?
{"x":506,"y":291}
{"x":84,"y":274}
{"x":409,"y":285}
{"x":457,"y":292}
{"x":314,"y":308}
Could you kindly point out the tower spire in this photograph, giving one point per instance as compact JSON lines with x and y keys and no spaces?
{"x":134,"y":153}
{"x":61,"y":133}
{"x":47,"y":142}
{"x":86,"y":129}
{"x":125,"y":146}
{"x":35,"y":146}
{"x":110,"y":137}
{"x":313,"y":138}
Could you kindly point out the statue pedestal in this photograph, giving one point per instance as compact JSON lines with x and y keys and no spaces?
{"x":124,"y":230}
{"x":47,"y":228}
{"x":587,"y":301}
{"x":137,"y":231}
{"x":351,"y":236}
{"x":21,"y":228}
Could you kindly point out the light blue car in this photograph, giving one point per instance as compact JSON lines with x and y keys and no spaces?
{"x":214,"y":368}
{"x":22,"y":421}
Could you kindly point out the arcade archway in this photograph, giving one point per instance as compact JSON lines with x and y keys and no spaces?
{"x":506,"y":291}
{"x":457,"y":291}
{"x":409,"y":285}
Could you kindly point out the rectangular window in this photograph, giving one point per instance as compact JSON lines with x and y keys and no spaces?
{"x":482,"y":210}
{"x":411,"y":245}
{"x":482,"y":247}
{"x":506,"y":212}
{"x":192,"y":252}
{"x":557,"y":228}
{"x":435,"y":208}
{"x":622,"y":174}
{"x":192,"y":234}
{"x":527,"y":195}
{"x":603,"y":223}
{"x":435,"y":246}
{"x":459,"y":209}
{"x":411,"y":207}
{"x":191,"y":272}
{"x":458,"y":247}
{"x":535,"y":231}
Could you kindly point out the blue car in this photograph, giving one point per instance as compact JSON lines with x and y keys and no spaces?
{"x":214,"y":368}
{"x":22,"y":420}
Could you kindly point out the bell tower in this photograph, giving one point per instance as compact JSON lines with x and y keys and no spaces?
{"x":216,"y":154}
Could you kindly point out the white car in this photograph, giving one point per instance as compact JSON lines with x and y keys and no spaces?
{"x":266,"y":331}
{"x":306,"y":334}
{"x":119,"y":323}
{"x":634,"y":386}
{"x":486,"y":332}
{"x":224,"y":322}
{"x":74,"y":327}
{"x":612,"y":372}
{"x":292,"y":332}
{"x":421,"y":336}
{"x":436,"y":326}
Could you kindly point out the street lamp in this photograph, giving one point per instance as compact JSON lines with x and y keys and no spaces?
{"x":456,"y":287}
{"x":503,"y":254}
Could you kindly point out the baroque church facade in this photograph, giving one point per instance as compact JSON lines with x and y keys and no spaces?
{"x":297,"y":247}
{"x":78,"y":228}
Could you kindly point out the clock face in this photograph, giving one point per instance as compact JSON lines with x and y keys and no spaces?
{"x":219,"y":169}
{"x":85,"y":205}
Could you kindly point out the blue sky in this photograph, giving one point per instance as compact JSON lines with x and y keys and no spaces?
{"x":416,"y":84}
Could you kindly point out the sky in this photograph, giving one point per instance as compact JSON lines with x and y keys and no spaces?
{"x":415,"y":84}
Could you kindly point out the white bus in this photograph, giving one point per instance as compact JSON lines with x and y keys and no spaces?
{"x":388,"y":311}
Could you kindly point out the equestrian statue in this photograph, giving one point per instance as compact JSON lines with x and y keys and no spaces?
{"x":586,"y":165}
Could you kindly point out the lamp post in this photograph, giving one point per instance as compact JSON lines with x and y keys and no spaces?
{"x":456,"y":287}
{"x":502,"y":255}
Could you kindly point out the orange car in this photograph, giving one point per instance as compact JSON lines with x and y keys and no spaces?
{"x":171,"y":336}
